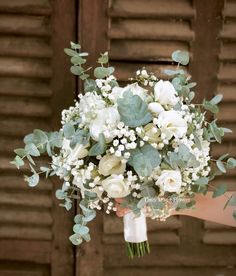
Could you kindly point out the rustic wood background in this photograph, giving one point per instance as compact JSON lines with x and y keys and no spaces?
{"x":35,"y":84}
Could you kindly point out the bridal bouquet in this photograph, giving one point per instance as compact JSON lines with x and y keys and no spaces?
{"x":144,"y":145}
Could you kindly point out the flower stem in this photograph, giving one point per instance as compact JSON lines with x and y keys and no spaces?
{"x":137,"y":249}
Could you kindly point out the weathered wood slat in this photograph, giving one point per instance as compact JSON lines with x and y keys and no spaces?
{"x":25,"y":25}
{"x":229,"y":31}
{"x":20,"y":126}
{"x":20,"y":272}
{"x":228,"y":52}
{"x":26,"y":198}
{"x":15,"y":250}
{"x":228,"y":91}
{"x":150,"y":29}
{"x":25,"y":217}
{"x":18,"y":183}
{"x":230,"y":182}
{"x":167,"y":271}
{"x":220,"y":149}
{"x":227,"y":72}
{"x":215,"y":226}
{"x":170,"y":256}
{"x":151,"y":9}
{"x":226,"y":111}
{"x":161,"y":238}
{"x":26,"y":6}
{"x":24,"y":107}
{"x":25,"y":46}
{"x":8,"y":144}
{"x":25,"y":67}
{"x":114,"y":225}
{"x":230,"y":9}
{"x":220,"y":237}
{"x":144,"y":50}
{"x":24,"y":232}
{"x":25,"y":87}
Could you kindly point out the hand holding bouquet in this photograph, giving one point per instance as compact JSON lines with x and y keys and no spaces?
{"x":146,"y":144}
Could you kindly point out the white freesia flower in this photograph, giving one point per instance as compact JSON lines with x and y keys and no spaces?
{"x":155,"y":108}
{"x":111,"y":164}
{"x":78,"y":152}
{"x":172,"y":124}
{"x":105,"y":122}
{"x":170,"y":181}
{"x":119,"y":92}
{"x":164,"y":93}
{"x":115,"y":186}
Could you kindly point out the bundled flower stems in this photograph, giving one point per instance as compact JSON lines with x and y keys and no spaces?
{"x":145,"y":143}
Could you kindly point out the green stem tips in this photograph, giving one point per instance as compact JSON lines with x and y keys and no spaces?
{"x":137,"y":249}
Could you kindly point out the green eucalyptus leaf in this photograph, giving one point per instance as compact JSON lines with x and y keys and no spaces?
{"x":80,"y":229}
{"x":202,"y":181}
{"x":101,"y":72}
{"x":90,"y":85}
{"x":68,"y":130}
{"x":70,"y":52}
{"x":170,"y":72}
{"x":144,"y":160}
{"x":231,"y":201}
{"x":181,"y":57}
{"x":18,"y":162}
{"x":21,"y":152}
{"x":77,"y":60}
{"x":98,"y":148}
{"x":60,"y":194}
{"x":74,"y":46}
{"x":32,"y":149}
{"x":220,"y":166}
{"x":76,"y":70}
{"x":104,"y":58}
{"x":87,"y":237}
{"x":217,"y":99}
{"x":133,"y":110}
{"x":75,"y":239}
{"x":231,"y":163}
{"x":33,"y":180}
{"x":220,"y":190}
{"x":78,"y":219}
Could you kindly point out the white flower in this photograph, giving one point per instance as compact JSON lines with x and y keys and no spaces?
{"x":119,"y":92}
{"x":111,"y":164}
{"x":155,"y":108}
{"x":165,"y":94}
{"x":170,"y":181}
{"x":105,"y":122}
{"x":78,"y":152}
{"x":172,"y":124}
{"x":88,"y":105}
{"x":115,"y":186}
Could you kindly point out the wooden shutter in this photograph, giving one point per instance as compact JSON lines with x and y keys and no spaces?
{"x":144,"y":33}
{"x":35,"y":84}
{"x":226,"y":84}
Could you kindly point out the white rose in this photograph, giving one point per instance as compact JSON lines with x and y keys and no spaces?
{"x":155,"y":108}
{"x":111,"y":164}
{"x":165,"y":94}
{"x":118,"y":92}
{"x":172,"y":124}
{"x":115,"y":186}
{"x":105,"y":122}
{"x":170,"y":181}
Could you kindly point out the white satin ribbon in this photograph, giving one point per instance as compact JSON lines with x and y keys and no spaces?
{"x":135,"y":227}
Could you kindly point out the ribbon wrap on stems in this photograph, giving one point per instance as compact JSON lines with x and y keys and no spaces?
{"x":135,"y":234}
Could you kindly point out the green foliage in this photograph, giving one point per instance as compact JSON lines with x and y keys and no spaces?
{"x":133,"y":110}
{"x":144,"y":160}
{"x":68,"y":130}
{"x":181,"y":57}
{"x":33,"y":180}
{"x":104,"y":58}
{"x":99,"y":147}
{"x":215,"y":131}
{"x":219,"y":191}
{"x":181,"y":159}
{"x":103,"y":72}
